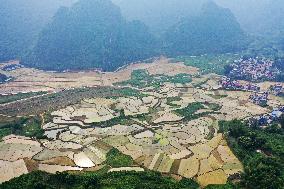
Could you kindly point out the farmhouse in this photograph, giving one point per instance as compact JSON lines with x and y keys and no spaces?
{"x":267,"y":119}
{"x":230,"y":84}
{"x":277,"y":89}
{"x":259,"y":98}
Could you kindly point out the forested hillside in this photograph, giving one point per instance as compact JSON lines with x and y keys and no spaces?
{"x":91,"y":34}
{"x":98,"y":180}
{"x":94,"y":34}
{"x":260,"y":150}
{"x":99,"y":34}
{"x":215,"y":30}
{"x":20,"y":23}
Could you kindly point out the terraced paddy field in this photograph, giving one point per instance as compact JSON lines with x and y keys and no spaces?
{"x":33,"y":80}
{"x":172,"y":128}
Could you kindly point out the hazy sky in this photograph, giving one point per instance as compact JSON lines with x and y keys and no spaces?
{"x":255,"y":16}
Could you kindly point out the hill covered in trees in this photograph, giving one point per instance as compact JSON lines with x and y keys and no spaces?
{"x":94,"y":34}
{"x":260,"y":150}
{"x":20,"y":23}
{"x":215,"y":30}
{"x":40,"y":35}
{"x":91,"y":34}
{"x":98,"y":180}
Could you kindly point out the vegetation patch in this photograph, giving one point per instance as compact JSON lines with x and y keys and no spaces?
{"x":217,"y":97}
{"x":189,"y":112}
{"x":4,"y":132}
{"x":98,"y":180}
{"x":25,"y":126}
{"x":142,"y":79}
{"x":47,"y":117}
{"x":198,"y":85}
{"x":190,"y":109}
{"x":222,"y":186}
{"x":209,"y":63}
{"x":260,"y":150}
{"x":214,"y":106}
{"x":170,"y":101}
{"x":116,"y":159}
{"x":121,"y":119}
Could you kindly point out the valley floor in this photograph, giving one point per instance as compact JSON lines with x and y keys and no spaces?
{"x":171,"y":128}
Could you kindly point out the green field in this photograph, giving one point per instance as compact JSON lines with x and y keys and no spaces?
{"x":117,"y":159}
{"x":170,"y":101}
{"x":209,"y":63}
{"x":142,"y":79}
{"x":190,"y":109}
{"x":25,"y":126}
{"x":213,"y":106}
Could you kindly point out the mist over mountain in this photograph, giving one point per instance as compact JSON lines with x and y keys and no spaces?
{"x":258,"y":17}
{"x":94,"y":34}
{"x":20,"y":23}
{"x":215,"y":30}
{"x":159,"y":15}
{"x":272,"y":17}
{"x":83,"y":36}
{"x":91,"y":34}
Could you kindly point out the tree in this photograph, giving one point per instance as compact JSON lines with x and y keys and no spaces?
{"x":263,"y":173}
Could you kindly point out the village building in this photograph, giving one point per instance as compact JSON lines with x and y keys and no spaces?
{"x":230,"y":84}
{"x":277,"y":90}
{"x":267,"y":119}
{"x":254,"y":69}
{"x":259,"y":98}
